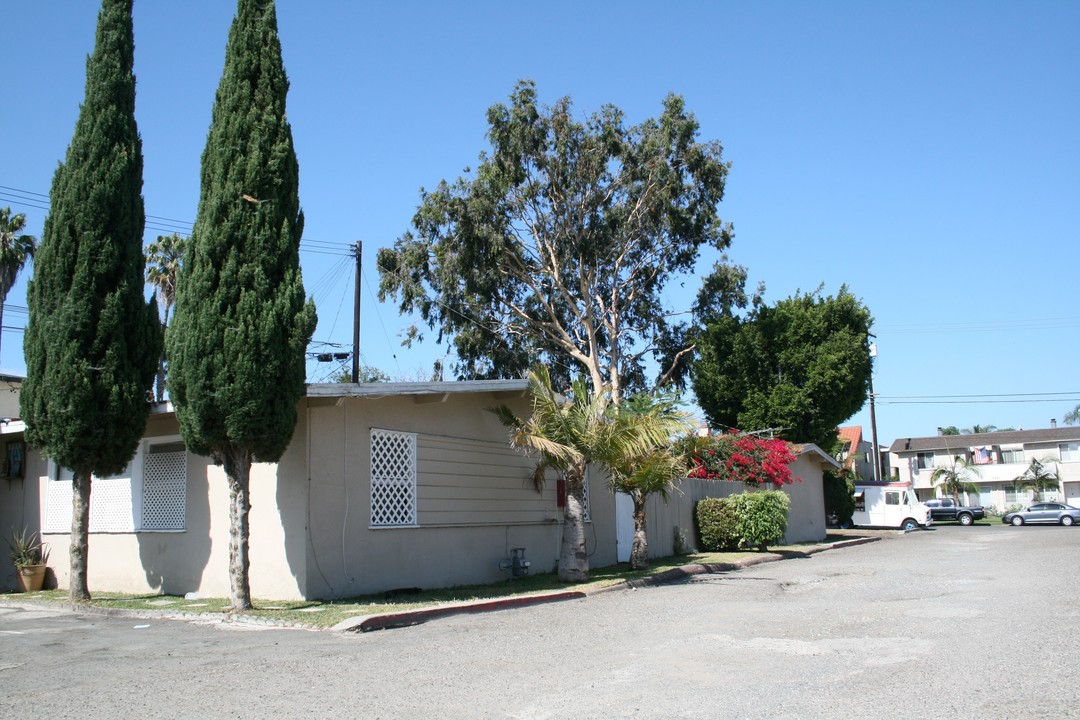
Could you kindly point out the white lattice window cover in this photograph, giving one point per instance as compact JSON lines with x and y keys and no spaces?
{"x":164,"y":490}
{"x":110,"y":505}
{"x":393,"y":478}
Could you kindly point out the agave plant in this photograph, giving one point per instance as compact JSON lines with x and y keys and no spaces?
{"x":27,"y":549}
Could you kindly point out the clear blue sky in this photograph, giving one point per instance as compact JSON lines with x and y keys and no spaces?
{"x":925,"y":153}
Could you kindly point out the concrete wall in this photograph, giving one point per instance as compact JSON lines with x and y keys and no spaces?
{"x":311,"y":524}
{"x":20,"y":505}
{"x":475,"y":497}
{"x":196,"y":558}
{"x":806,"y":517}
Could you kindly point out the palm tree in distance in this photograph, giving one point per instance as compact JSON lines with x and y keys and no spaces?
{"x":1038,"y":477}
{"x":15,"y":250}
{"x":1073,"y":416}
{"x":163,"y":259}
{"x":956,"y":478}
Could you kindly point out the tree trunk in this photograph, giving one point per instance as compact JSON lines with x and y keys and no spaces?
{"x":237,"y":464}
{"x":639,"y":551}
{"x":78,"y":590}
{"x":573,"y":556}
{"x":160,"y":380}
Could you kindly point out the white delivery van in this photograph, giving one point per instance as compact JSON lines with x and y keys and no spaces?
{"x":891,"y":505}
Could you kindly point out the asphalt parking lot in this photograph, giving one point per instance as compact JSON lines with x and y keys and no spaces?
{"x":957,"y":622}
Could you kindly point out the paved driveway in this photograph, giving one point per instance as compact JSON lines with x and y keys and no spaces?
{"x":955,"y":622}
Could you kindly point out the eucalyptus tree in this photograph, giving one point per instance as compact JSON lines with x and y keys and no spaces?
{"x":242,"y":323}
{"x":560,"y":247}
{"x":92,"y":340}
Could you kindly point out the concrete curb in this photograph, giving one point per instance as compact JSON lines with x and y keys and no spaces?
{"x":405,"y":618}
{"x":367,"y":623}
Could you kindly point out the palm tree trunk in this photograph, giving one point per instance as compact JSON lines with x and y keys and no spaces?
{"x":238,"y":471}
{"x":639,"y":551}
{"x":573,"y":556}
{"x":160,"y":379}
{"x":78,"y":590}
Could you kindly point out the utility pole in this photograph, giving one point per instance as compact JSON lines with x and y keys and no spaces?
{"x":873,"y":418}
{"x":358,"y":251}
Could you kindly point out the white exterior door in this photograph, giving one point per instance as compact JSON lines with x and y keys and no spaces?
{"x":624,"y":526}
{"x":1072,"y":493}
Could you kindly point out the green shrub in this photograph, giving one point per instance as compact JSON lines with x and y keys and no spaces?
{"x":754,"y":519}
{"x":716,"y":523}
{"x":762,"y":517}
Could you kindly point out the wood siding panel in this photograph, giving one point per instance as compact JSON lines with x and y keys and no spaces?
{"x":472,"y":482}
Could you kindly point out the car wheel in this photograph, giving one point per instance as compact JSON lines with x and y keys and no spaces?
{"x":1017,"y":521}
{"x":1066,"y":520}
{"x":909,"y":524}
{"x":965,"y":519}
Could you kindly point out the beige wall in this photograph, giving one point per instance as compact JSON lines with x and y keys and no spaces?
{"x":311,"y":533}
{"x":20,"y":505}
{"x":196,"y":559}
{"x":475,"y":497}
{"x":806,"y":518}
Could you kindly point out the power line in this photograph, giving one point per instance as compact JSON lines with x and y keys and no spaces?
{"x":160,"y":223}
{"x":988,"y":395}
{"x":975,"y":402}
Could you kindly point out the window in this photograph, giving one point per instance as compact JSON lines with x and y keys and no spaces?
{"x":1012,"y":456}
{"x":164,"y":490}
{"x":149,"y":495}
{"x":892,"y":498}
{"x":924,"y":460}
{"x":393,"y":478}
{"x":1070,"y":452}
{"x":1016,"y":494}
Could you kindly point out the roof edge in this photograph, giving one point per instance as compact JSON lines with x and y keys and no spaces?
{"x":414,"y":388}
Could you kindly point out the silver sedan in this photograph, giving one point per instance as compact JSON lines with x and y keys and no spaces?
{"x":1045,"y":513}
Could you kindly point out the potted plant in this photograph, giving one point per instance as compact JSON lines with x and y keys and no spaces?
{"x":29,"y":554}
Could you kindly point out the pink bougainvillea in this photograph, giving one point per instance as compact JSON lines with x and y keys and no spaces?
{"x":743,"y":458}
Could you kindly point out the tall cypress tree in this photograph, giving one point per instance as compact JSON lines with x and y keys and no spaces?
{"x":241,"y":323}
{"x":92,"y":340}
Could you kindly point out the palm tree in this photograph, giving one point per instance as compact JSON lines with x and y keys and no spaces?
{"x":654,"y":471}
{"x":956,"y":478}
{"x":569,"y":434}
{"x":163,"y":259}
{"x":15,"y":250}
{"x":1038,"y":478}
{"x":1073,"y":416}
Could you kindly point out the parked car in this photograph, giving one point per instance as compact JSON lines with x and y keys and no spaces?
{"x":949,"y":509}
{"x":1046,"y":513}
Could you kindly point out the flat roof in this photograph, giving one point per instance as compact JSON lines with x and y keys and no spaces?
{"x":1008,"y":437}
{"x":414,"y":388}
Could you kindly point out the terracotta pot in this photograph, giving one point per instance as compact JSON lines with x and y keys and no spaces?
{"x":30,"y":577}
